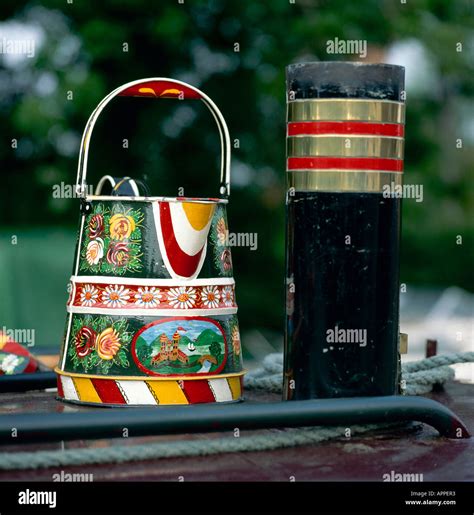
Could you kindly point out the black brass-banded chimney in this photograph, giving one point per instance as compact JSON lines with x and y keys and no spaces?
{"x":345,"y":137}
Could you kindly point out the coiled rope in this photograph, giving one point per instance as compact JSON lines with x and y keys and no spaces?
{"x":419,"y":377}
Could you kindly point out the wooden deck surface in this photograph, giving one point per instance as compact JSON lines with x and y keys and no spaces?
{"x":417,"y":449}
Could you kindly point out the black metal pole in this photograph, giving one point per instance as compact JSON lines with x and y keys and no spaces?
{"x":33,"y":427}
{"x":27,"y":382}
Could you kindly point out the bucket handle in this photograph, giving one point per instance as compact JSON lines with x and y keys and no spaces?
{"x":157,"y":87}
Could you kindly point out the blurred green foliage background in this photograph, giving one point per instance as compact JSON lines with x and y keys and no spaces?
{"x":236,"y":51}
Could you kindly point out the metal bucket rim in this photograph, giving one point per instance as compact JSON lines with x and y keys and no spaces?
{"x":181,"y":377}
{"x":196,"y":200}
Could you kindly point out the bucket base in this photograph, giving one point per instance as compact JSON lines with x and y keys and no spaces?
{"x":148,"y":391}
{"x":126,"y":406}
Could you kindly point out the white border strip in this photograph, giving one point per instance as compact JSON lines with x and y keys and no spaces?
{"x":130,"y":281}
{"x":66,"y":341}
{"x":221,"y":389}
{"x":136,"y":392}
{"x":79,"y":245}
{"x":150,"y":312}
{"x":69,"y":388}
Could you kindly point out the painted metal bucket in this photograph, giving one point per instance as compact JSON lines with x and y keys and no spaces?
{"x":151,"y":316}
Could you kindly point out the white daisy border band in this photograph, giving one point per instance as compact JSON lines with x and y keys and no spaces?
{"x":111,"y":297}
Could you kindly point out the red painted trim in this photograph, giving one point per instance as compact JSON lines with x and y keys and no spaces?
{"x":60,"y":386}
{"x":163,"y":290}
{"x":171,"y":319}
{"x":32,"y":366}
{"x":378,"y":129}
{"x":183,"y":264}
{"x":159,"y":87}
{"x":198,"y":391}
{"x":13,"y":347}
{"x":345,"y":163}
{"x":108,"y":391}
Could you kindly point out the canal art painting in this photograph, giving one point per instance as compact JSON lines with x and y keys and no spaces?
{"x":100,"y":344}
{"x":182,"y":231}
{"x":112,"y":240}
{"x":219,"y":236}
{"x":180,"y":346}
{"x":151,"y":315}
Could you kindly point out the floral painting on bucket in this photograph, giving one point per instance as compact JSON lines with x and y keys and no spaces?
{"x":99,"y":343}
{"x":112,"y":240}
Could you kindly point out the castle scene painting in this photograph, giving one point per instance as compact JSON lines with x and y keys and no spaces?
{"x":181,"y":346}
